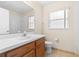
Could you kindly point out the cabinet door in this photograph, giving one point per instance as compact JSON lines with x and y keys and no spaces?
{"x":30,"y":54}
{"x":2,"y":55}
{"x":40,"y":49}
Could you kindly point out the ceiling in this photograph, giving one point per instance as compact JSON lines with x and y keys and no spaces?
{"x":18,"y":6}
{"x":44,"y":3}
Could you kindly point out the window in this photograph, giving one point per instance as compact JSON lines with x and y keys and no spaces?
{"x":31,"y":22}
{"x":58,"y":19}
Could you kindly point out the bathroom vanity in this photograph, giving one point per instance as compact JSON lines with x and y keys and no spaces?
{"x":14,"y":41}
{"x":26,"y":48}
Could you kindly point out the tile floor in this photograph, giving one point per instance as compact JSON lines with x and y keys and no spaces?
{"x":59,"y":53}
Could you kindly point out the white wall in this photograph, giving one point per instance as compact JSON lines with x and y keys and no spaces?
{"x":4,"y":21}
{"x":38,"y":15}
{"x":76,"y":17}
{"x":66,"y":36}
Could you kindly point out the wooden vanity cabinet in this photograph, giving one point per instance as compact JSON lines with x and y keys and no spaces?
{"x":2,"y":55}
{"x":30,"y":54}
{"x":21,"y":51}
{"x":33,"y":49}
{"x":40,"y":47}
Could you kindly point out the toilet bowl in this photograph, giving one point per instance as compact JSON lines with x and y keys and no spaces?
{"x":48,"y":46}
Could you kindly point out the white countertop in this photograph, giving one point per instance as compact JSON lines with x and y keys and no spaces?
{"x":14,"y":42}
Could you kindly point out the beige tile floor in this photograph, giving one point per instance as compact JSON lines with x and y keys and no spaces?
{"x":60,"y":53}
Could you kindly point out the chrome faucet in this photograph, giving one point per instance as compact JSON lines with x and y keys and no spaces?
{"x":24,"y":34}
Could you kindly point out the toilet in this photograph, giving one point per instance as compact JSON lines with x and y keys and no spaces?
{"x":48,"y":46}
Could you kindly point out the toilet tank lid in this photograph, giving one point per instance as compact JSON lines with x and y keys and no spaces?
{"x":48,"y":42}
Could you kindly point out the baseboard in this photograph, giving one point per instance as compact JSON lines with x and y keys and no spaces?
{"x":66,"y":51}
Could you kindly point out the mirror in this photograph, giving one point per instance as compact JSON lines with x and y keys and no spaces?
{"x":14,"y":16}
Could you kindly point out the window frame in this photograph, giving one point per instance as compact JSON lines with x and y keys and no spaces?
{"x":66,"y":25}
{"x":28,"y":23}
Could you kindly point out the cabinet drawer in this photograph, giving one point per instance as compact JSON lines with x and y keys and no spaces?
{"x":30,"y":54}
{"x":40,"y":41}
{"x":18,"y":52}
